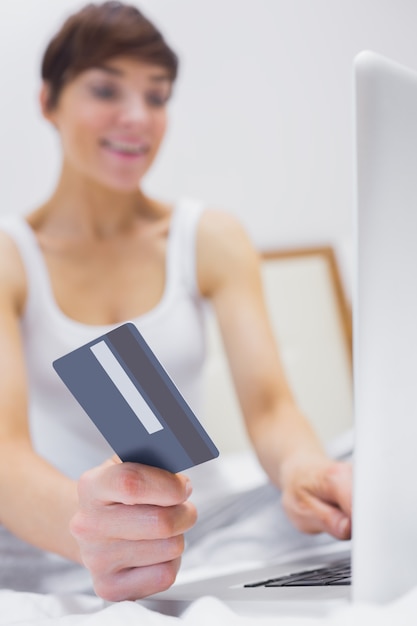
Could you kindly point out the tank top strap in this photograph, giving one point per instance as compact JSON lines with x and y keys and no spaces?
{"x":16,"y":226}
{"x":183,"y":258}
{"x":181,"y":261}
{"x":17,"y":229}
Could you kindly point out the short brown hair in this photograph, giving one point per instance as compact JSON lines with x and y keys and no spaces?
{"x":97,"y":33}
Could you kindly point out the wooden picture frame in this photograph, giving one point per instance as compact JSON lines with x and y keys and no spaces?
{"x":311,"y":320}
{"x":327,"y":253}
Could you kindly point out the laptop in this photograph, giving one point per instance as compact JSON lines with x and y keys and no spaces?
{"x":383,"y":552}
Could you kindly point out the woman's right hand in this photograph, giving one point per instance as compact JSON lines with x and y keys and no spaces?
{"x":130,"y":527}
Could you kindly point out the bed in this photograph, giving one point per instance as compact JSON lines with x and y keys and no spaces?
{"x":310,"y":315}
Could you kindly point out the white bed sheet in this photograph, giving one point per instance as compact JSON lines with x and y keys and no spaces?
{"x":240,"y":472}
{"x":28,"y":609}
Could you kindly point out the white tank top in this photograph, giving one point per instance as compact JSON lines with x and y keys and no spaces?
{"x":61,"y":432}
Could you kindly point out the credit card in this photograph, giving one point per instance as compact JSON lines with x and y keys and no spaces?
{"x":127,"y":393}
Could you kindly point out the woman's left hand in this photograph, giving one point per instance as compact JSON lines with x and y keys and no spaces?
{"x":317,"y":496}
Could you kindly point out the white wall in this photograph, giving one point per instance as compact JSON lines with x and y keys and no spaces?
{"x":261,"y":118}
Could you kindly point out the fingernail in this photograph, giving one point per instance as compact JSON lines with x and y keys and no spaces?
{"x":343,"y":527}
{"x":188,"y":488}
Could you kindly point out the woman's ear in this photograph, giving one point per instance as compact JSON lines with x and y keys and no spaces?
{"x":45,"y":103}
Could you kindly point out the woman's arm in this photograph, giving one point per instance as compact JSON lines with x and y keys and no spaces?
{"x":316,"y":490}
{"x":36,"y":500}
{"x":124,"y":521}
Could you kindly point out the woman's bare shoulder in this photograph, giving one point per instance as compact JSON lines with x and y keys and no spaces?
{"x":12,"y":272}
{"x":222,"y":232}
{"x":224,"y":248}
{"x":217,"y":221}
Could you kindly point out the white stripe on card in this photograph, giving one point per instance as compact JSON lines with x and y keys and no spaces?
{"x":128,"y":390}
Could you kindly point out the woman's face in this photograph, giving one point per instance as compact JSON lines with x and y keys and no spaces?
{"x":111,"y":120}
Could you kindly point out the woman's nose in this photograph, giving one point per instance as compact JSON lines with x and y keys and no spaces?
{"x":134,"y":110}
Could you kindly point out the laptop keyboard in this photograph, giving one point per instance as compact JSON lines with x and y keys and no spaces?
{"x":335,"y":573}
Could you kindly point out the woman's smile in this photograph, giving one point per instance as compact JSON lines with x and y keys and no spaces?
{"x":131,"y":150}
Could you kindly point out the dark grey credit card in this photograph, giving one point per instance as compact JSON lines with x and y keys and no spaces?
{"x":129,"y":396}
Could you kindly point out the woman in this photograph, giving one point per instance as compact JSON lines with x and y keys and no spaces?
{"x":99,"y":252}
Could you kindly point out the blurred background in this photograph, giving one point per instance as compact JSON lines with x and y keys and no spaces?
{"x":261,"y":125}
{"x":261,"y":119}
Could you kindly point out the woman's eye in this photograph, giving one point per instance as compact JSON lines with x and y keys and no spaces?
{"x":157,"y":99}
{"x":104,"y":92}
